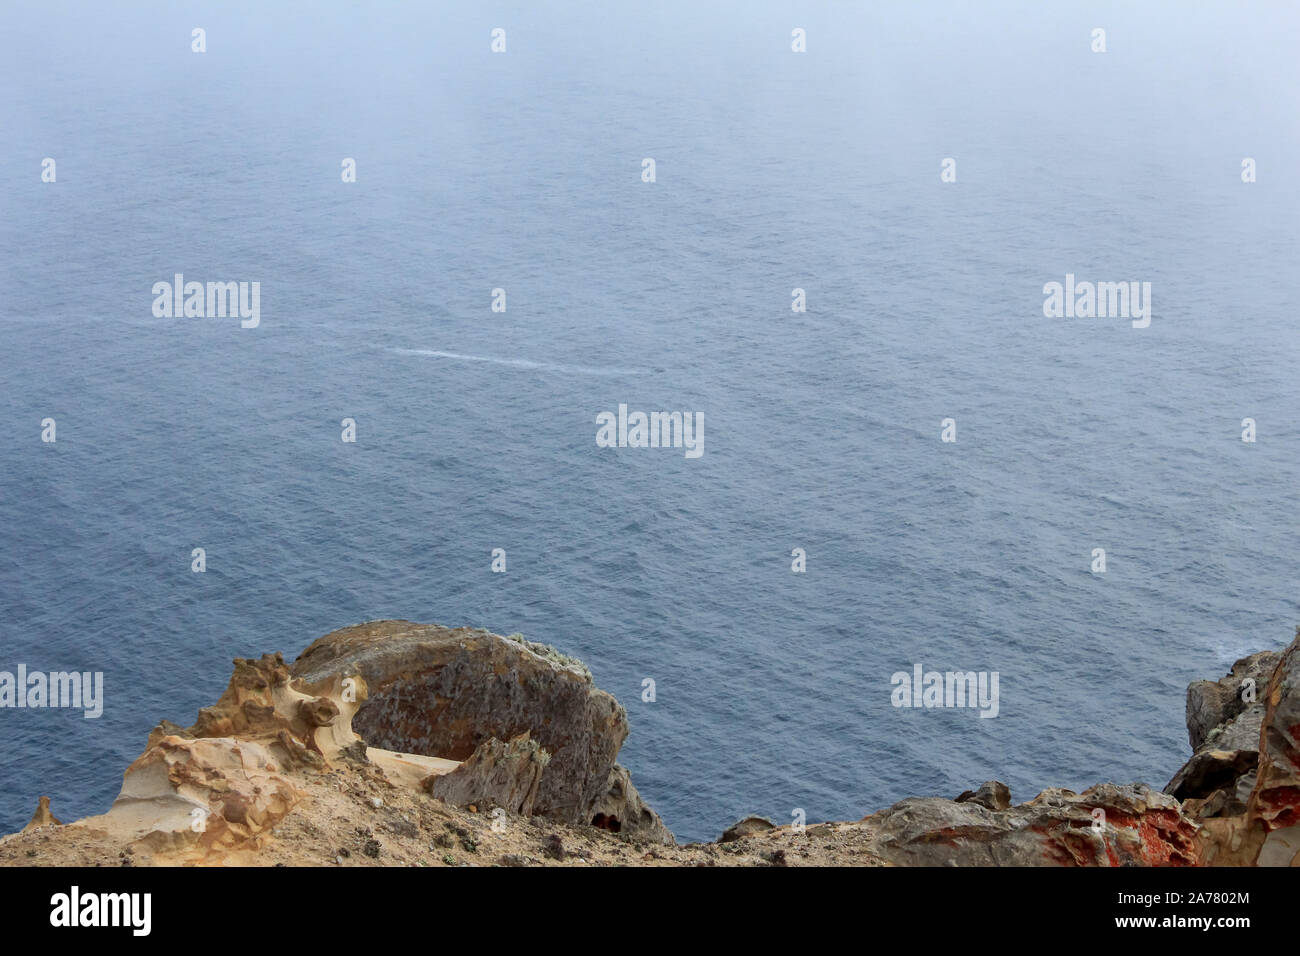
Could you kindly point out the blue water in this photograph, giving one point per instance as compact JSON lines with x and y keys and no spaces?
{"x":476,"y":429}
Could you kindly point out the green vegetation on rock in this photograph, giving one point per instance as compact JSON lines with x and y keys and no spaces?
{"x":547,"y":652}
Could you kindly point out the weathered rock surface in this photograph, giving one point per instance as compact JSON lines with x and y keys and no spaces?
{"x":621,"y":810}
{"x":221,"y":784}
{"x":1224,"y":718}
{"x":1275,"y":801}
{"x":992,"y":795}
{"x":1107,"y":825}
{"x":43,"y":817}
{"x":444,"y":692}
{"x":275,"y":772}
{"x":506,"y":775}
{"x":1213,"y":706}
{"x":201,"y":795}
{"x":1243,"y":783}
{"x":745,"y":828}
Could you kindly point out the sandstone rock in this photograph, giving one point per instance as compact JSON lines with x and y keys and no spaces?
{"x":443,"y":693}
{"x":466,"y":716}
{"x":204,"y":795}
{"x":506,"y":774}
{"x":43,"y":817}
{"x":992,"y":795}
{"x":469,"y":713}
{"x":1228,"y":840}
{"x":621,"y":810}
{"x":1215,"y":783}
{"x":223,"y":783}
{"x":299,"y":722}
{"x":1275,"y":801}
{"x":745,"y":828}
{"x":1140,"y":827}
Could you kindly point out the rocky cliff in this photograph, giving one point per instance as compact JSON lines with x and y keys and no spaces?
{"x":392,"y":743}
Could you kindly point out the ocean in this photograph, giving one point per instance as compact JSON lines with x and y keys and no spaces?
{"x":476,"y":429}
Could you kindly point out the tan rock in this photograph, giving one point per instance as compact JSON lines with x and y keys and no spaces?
{"x":505,"y":774}
{"x":43,"y":817}
{"x":991,"y":795}
{"x":221,"y":784}
{"x":746,"y":827}
{"x":1106,"y":825}
{"x":1275,"y":801}
{"x":621,"y":810}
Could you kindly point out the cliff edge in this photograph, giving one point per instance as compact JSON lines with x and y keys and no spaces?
{"x":394,"y":743}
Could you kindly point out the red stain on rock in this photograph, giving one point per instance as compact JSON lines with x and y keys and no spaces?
{"x":1280,"y":807}
{"x":1166,"y":839}
{"x":1111,"y":856}
{"x":1163,"y":838}
{"x":1073,"y":845}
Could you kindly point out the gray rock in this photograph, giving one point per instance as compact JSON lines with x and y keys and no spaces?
{"x":621,"y":810}
{"x":1220,"y":778}
{"x":506,"y":774}
{"x":1211,"y":705}
{"x":992,"y":795}
{"x":746,"y":827}
{"x":1223,"y":727}
{"x":444,"y":693}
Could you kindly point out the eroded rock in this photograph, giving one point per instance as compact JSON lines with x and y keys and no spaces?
{"x":992,"y":795}
{"x":221,"y":784}
{"x":444,"y":693}
{"x":1213,"y":705}
{"x":1224,"y":719}
{"x":43,"y":817}
{"x":1275,"y":801}
{"x":621,"y":810}
{"x":745,"y":828}
{"x":1136,"y":826}
{"x":505,"y":774}
{"x":467,"y":715}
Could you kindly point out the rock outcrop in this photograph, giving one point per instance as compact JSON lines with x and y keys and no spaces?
{"x":1242,"y":784}
{"x":1275,"y":801}
{"x":506,"y":775}
{"x":43,"y":817}
{"x":746,"y":827}
{"x":621,"y":810}
{"x":1106,"y":825}
{"x":468,"y":718}
{"x":1224,"y":718}
{"x":444,"y":693}
{"x":991,"y":795}
{"x":397,"y":743}
{"x":220,"y":785}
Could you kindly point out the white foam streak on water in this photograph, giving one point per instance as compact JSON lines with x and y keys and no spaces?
{"x":521,"y":363}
